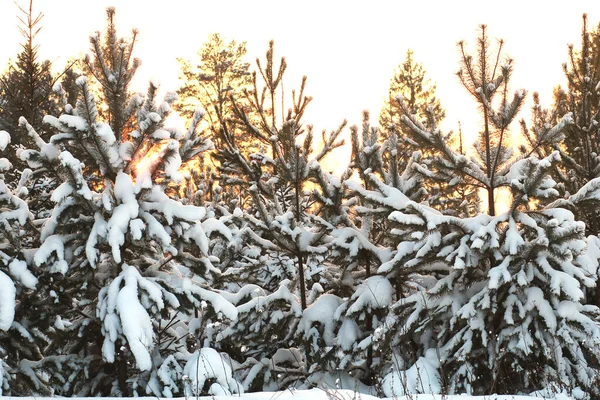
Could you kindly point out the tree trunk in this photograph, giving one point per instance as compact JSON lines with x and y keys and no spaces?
{"x":122,"y":374}
{"x":302,"y":281}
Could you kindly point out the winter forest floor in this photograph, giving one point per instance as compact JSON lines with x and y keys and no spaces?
{"x":321,"y":394}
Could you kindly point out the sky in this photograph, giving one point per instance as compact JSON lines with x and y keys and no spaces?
{"x":348,"y":49}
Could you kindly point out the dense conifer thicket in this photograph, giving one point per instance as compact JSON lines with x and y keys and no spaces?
{"x":140,"y":259}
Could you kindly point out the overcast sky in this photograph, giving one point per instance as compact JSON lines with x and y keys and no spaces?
{"x":347,"y":49}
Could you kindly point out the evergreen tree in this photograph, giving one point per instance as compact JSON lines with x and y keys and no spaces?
{"x":17,"y":339}
{"x":221,"y":76}
{"x":221,"y":73}
{"x":580,"y":147}
{"x":410,"y":80}
{"x":127,"y":267}
{"x":286,"y":185}
{"x":26,"y":89}
{"x":490,"y":309}
{"x":418,"y":92}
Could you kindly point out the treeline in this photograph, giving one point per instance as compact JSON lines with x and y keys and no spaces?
{"x":139,"y":259}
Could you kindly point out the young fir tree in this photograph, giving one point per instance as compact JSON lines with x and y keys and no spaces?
{"x":507,"y":315}
{"x":127,"y":268}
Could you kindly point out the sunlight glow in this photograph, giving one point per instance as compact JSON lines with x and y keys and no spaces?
{"x":349,"y":53}
{"x":348,"y":50}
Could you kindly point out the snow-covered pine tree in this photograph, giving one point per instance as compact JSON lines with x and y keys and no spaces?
{"x":284,"y":258}
{"x":220,"y":76}
{"x":498,"y":322}
{"x":127,"y":266}
{"x":410,"y":81}
{"x":361,"y":242}
{"x":504,"y":312}
{"x":16,"y":284}
{"x":580,"y":148}
{"x":579,"y":143}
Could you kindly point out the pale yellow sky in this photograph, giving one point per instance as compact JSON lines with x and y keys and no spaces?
{"x":348,"y":49}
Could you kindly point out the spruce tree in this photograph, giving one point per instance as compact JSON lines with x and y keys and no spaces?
{"x":26,"y":87}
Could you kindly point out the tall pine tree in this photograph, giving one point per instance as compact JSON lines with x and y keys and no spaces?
{"x":507,"y":314}
{"x":126,"y":267}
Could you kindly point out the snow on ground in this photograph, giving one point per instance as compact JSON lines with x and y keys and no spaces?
{"x":321,"y":394}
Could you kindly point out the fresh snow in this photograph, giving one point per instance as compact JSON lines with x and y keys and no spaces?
{"x":4,"y":139}
{"x":18,"y":270}
{"x":313,"y":394}
{"x":208,"y":364}
{"x":7,"y":301}
{"x":422,"y":377}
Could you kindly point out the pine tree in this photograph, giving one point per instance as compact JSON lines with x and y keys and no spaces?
{"x":419,"y":95}
{"x":26,"y":88}
{"x":283,"y":243}
{"x":128,"y":268}
{"x":499,"y":305}
{"x":16,"y":284}
{"x":579,"y":150}
{"x":221,"y":76}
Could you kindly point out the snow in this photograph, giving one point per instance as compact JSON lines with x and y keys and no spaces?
{"x":118,"y":224}
{"x":117,"y":227}
{"x":120,"y":310}
{"x":137,"y":326}
{"x":330,"y":393}
{"x":4,"y":140}
{"x":5,"y":165}
{"x":170,"y":208}
{"x":207,"y":364}
{"x":64,"y":190}
{"x":52,"y":244}
{"x":375,"y":293}
{"x":322,"y":312}
{"x":104,"y":131}
{"x":218,"y":302}
{"x":7,"y":301}
{"x":98,"y":229}
{"x":74,"y":121}
{"x":76,"y":167}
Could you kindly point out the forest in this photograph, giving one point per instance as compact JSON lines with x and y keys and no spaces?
{"x":141,"y":259}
